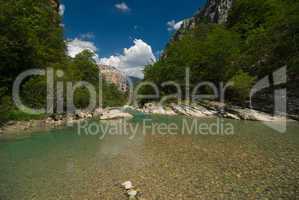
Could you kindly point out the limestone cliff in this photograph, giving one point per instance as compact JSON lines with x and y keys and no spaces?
{"x":114,"y":76}
{"x":215,"y":11}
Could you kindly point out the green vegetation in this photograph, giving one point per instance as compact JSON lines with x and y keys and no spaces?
{"x":259,"y":37}
{"x":31,"y":37}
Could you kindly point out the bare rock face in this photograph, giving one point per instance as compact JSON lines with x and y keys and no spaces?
{"x":215,"y":11}
{"x":114,"y":76}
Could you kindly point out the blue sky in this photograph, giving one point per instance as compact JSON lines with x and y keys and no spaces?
{"x":111,"y":25}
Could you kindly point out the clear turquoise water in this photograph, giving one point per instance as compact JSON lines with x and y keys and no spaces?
{"x":60,"y":164}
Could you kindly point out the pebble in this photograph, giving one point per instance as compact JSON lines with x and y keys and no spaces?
{"x":132,"y":193}
{"x":127,"y":185}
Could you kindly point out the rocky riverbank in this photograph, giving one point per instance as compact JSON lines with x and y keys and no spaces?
{"x":212,"y":109}
{"x":199,"y":110}
{"x":60,"y":120}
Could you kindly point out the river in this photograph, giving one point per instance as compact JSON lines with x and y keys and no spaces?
{"x":252,"y":162}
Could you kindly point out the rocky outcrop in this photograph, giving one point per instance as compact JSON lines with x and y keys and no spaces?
{"x":193,"y":110}
{"x":253,"y":115}
{"x":115,"y":114}
{"x":215,"y":11}
{"x":114,"y":76}
{"x":154,"y":108}
{"x":210,"y":109}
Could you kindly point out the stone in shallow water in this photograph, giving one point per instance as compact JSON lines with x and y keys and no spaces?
{"x":132,"y":194}
{"x":127,"y":185}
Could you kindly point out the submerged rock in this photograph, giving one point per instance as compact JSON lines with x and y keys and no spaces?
{"x":132,"y":194}
{"x":127,"y":185}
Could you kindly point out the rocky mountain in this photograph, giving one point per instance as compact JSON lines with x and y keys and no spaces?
{"x":114,"y":76}
{"x":215,"y":11}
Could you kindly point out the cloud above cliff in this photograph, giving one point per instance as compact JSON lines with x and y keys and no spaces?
{"x":133,"y":59}
{"x":122,"y":7}
{"x":173,"y":25}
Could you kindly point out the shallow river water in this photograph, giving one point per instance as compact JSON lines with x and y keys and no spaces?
{"x":248,"y":161}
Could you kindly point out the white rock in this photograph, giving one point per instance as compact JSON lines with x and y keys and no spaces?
{"x":132,"y":193}
{"x":98,"y":112}
{"x":154,"y":108}
{"x":193,"y":110}
{"x":127,"y":185}
{"x":254,"y":115}
{"x":231,"y":116}
{"x":115,"y":114}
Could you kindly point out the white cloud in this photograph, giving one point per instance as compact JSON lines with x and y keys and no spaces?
{"x":61,"y":9}
{"x":76,"y":46}
{"x":173,"y":25}
{"x":133,"y":59}
{"x":123,"y":7}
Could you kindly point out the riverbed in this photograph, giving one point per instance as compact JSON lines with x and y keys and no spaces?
{"x":251,"y":162}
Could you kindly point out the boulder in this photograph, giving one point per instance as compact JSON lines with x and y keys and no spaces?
{"x":254,"y":115}
{"x":153,"y":108}
{"x":127,"y":185}
{"x":132,"y":194}
{"x":193,"y":110}
{"x":231,"y":116}
{"x":115,"y":114}
{"x":49,"y":120}
{"x":83,"y":115}
{"x":98,"y":112}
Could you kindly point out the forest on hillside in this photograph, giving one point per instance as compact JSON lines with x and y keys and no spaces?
{"x":259,"y":37}
{"x":31,"y":38}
